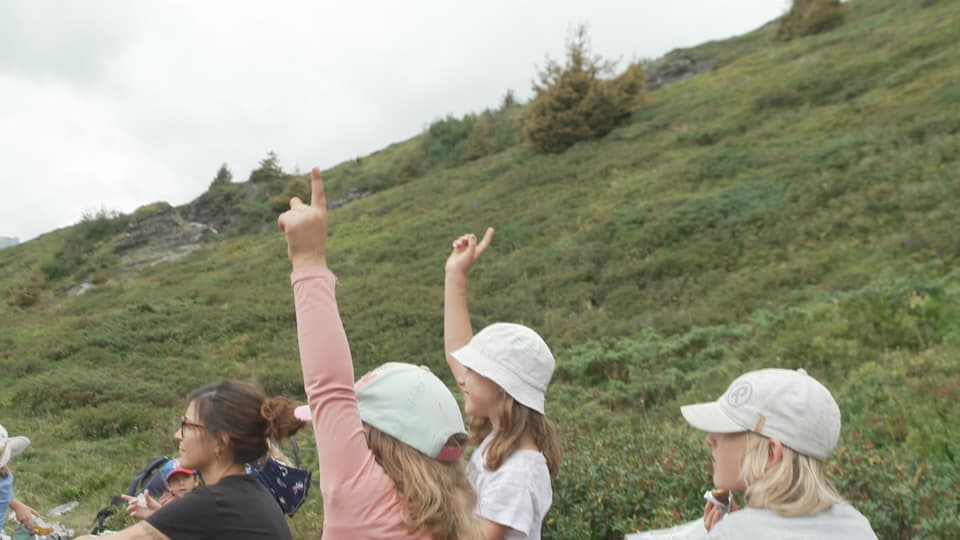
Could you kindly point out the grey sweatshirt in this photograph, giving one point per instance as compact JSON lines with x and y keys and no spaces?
{"x":841,"y":521}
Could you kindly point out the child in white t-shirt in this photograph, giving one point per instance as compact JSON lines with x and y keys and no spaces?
{"x":770,"y":433}
{"x":503,"y":372}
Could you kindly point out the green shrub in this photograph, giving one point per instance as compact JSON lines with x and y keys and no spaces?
{"x":445,"y":140}
{"x":481,"y":141}
{"x":111,"y":420}
{"x":903,"y":495}
{"x":26,"y":294}
{"x":75,"y":387}
{"x":296,"y":187}
{"x":574,"y":103}
{"x":80,"y":252}
{"x":256,"y":215}
{"x":268,"y":170}
{"x":409,"y":164}
{"x":615,"y":482}
{"x":808,"y":17}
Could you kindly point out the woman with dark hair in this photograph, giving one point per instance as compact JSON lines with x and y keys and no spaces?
{"x":225,"y":426}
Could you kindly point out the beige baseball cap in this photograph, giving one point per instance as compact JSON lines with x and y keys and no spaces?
{"x":787,"y":405}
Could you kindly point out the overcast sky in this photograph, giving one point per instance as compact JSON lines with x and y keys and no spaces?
{"x":117,"y":104}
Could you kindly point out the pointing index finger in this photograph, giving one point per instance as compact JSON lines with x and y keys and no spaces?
{"x":318,"y":198}
{"x":487,"y":237}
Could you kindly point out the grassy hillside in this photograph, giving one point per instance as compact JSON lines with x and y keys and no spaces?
{"x":796,"y":207}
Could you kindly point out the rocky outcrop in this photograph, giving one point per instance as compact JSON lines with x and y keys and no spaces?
{"x":676,"y":66}
{"x":158,"y":233}
{"x":351,"y":195}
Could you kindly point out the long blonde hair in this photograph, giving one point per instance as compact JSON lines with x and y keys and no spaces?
{"x":437,"y":496}
{"x":796,"y":486}
{"x":515,"y":421}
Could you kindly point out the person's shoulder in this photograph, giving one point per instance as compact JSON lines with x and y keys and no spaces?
{"x":744,"y":520}
{"x":531,"y":462}
{"x":239,"y":483}
{"x":839,"y":521}
{"x":751,"y":515}
{"x":846,"y":509}
{"x":855,"y":520}
{"x":523,"y":468}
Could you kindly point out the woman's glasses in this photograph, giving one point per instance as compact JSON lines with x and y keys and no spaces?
{"x":184,"y":423}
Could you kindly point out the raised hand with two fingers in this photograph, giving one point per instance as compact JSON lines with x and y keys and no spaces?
{"x":466,"y":251}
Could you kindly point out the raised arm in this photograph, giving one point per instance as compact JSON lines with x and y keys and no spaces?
{"x":457,"y":329}
{"x":324,"y":351}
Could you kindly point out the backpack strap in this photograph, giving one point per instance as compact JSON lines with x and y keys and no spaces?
{"x":145,"y":473}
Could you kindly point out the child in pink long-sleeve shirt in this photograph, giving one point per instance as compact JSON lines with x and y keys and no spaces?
{"x":390,"y":446}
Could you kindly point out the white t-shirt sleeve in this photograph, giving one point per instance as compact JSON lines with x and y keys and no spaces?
{"x":508,"y":503}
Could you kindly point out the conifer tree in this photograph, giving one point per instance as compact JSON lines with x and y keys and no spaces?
{"x":574,"y":101}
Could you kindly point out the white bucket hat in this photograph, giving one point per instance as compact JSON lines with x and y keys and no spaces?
{"x":789,"y":406}
{"x":513,"y":356}
{"x":11,"y":446}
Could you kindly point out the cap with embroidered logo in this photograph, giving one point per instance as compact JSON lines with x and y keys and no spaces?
{"x":789,"y":406}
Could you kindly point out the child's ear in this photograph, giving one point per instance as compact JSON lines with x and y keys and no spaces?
{"x":774,"y":452}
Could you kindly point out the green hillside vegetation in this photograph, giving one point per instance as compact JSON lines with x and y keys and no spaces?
{"x":795,"y":207}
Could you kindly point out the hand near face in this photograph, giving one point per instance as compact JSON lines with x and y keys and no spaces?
{"x":712,"y":513}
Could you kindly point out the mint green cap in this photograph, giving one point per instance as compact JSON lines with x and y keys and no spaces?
{"x":412,"y":405}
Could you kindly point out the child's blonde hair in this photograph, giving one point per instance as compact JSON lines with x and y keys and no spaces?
{"x":515,"y":420}
{"x":437,"y":496}
{"x":796,"y":486}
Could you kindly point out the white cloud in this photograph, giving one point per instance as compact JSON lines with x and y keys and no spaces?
{"x":118,"y":104}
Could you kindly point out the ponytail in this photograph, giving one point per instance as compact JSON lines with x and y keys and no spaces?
{"x":281,"y":421}
{"x":243,"y":412}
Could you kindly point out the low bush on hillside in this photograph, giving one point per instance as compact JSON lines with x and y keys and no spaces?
{"x":26,"y":294}
{"x":808,"y":17}
{"x":85,"y":248}
{"x":445,"y":140}
{"x":297,"y":186}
